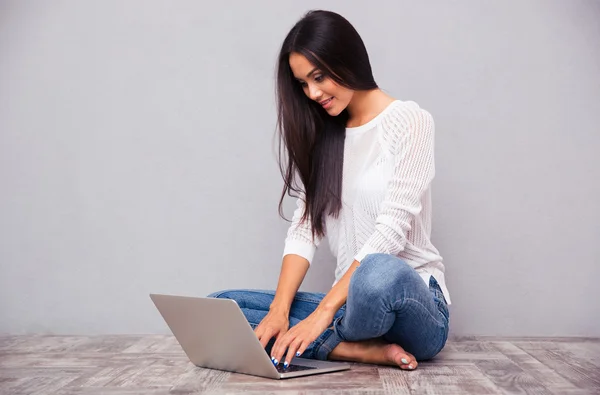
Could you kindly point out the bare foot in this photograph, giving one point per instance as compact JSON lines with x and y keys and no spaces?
{"x":376,"y":352}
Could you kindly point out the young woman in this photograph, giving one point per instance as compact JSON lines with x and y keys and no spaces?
{"x":361,"y":164}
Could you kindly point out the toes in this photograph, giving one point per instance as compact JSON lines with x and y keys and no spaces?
{"x":404,"y":362}
{"x":403,"y":359}
{"x":408,"y":362}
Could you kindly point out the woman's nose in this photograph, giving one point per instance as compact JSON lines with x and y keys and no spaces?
{"x":315,"y":93}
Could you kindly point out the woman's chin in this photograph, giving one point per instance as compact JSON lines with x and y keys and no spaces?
{"x":334,"y":111}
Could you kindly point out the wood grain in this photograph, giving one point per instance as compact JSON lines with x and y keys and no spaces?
{"x":155,"y":364}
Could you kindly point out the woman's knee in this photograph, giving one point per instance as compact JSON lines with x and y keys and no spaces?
{"x":247,"y":298}
{"x":219,"y":294}
{"x":379,"y":272}
{"x":234,"y":294}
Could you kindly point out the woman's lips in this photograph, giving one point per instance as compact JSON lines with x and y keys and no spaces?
{"x":327,"y":103}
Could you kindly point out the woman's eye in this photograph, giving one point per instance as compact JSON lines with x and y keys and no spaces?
{"x":319,"y":78}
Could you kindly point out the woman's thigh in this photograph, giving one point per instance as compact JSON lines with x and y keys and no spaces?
{"x":255,"y":304}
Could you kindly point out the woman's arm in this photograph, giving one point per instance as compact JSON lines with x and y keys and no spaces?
{"x":411,"y":134}
{"x":293,"y":270}
{"x":298,"y":338}
{"x":336,"y":297}
{"x":276,"y":322}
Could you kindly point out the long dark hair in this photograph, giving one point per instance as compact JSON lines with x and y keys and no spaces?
{"x":314,"y":140}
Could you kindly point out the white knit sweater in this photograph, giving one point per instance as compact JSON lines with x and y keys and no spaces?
{"x":386,"y":196}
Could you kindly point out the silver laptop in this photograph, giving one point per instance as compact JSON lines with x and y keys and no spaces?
{"x":215,"y":334}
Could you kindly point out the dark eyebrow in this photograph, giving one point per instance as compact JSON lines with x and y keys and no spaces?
{"x":309,"y":74}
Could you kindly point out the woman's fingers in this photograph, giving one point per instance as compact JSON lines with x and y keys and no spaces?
{"x":281,"y":344}
{"x":301,"y":349}
{"x":258,"y":331}
{"x":292,"y":350}
{"x":265,"y":336}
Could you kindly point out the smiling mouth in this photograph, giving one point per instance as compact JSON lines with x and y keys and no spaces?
{"x":325,"y":102}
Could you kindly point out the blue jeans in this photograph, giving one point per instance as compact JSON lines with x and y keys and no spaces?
{"x":386,"y":299}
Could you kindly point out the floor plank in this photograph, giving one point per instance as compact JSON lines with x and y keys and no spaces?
{"x":534,"y":367}
{"x":437,"y":379}
{"x":155,"y":364}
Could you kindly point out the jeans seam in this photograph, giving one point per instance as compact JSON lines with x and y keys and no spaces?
{"x":306,"y":300}
{"x":403,"y":302}
{"x":269,"y":293}
{"x":217,"y":294}
{"x":261,"y":292}
{"x":382,"y":321}
{"x":336,"y":329}
{"x":444,"y":339}
{"x":322,"y":347}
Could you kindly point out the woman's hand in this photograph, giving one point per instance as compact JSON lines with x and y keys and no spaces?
{"x":275,"y":324}
{"x":299,"y":337}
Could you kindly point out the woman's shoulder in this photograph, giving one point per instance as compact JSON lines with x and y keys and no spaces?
{"x":406,"y":117}
{"x":406,"y":110}
{"x":405,"y":120}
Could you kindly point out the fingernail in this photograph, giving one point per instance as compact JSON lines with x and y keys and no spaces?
{"x":285,"y":365}
{"x":298,"y":354}
{"x":404,"y":361}
{"x":275,"y":362}
{"x":410,"y":367}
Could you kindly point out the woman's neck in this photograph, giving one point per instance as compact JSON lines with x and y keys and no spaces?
{"x":366,"y":105}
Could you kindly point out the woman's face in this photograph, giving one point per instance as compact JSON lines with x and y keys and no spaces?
{"x":333,"y":97}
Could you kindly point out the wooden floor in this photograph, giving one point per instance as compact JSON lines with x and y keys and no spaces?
{"x":152,"y":365}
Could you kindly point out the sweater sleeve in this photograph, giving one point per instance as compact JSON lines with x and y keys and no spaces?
{"x":299,"y":240}
{"x":409,"y":132}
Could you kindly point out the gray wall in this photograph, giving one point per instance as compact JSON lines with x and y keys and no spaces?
{"x":136,"y":155}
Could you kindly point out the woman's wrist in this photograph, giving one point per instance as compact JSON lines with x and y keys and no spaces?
{"x":338,"y":294}
{"x":326,"y":309}
{"x":279,"y":309}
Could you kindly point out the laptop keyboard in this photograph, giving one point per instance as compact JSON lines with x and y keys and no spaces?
{"x":292,"y":368}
